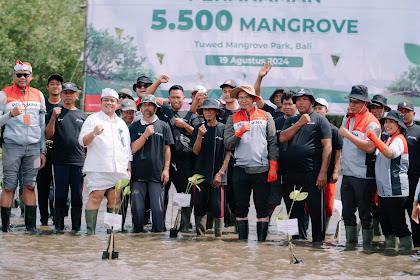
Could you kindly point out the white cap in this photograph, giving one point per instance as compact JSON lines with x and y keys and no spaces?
{"x":109,"y":92}
{"x":199,"y":88}
{"x":322,"y":102}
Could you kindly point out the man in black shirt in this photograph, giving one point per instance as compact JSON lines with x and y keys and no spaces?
{"x":44,"y":178}
{"x":413,"y":142}
{"x":309,"y":151}
{"x":211,"y":162}
{"x":150,"y":143}
{"x":321,"y":107}
{"x":64,"y":125}
{"x":182,"y":124}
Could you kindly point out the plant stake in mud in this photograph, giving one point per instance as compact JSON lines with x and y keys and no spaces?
{"x":193,"y":181}
{"x":295,"y":196}
{"x":115,"y":219}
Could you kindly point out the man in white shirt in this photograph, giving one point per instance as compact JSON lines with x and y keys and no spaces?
{"x":107,"y":140}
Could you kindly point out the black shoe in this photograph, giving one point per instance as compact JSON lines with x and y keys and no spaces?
{"x":30,"y":218}
{"x":76,"y":218}
{"x":262,"y":228}
{"x":243,"y":229}
{"x":59,"y":218}
{"x":5,"y":218}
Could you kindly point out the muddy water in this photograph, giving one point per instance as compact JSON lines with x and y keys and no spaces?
{"x":155,"y":256}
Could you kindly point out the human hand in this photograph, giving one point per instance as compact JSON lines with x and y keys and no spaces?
{"x":343,"y":132}
{"x":164,"y":178}
{"x":98,"y":129}
{"x":16,"y":111}
{"x":265,"y":68}
{"x":304,"y":119}
{"x":150,"y":130}
{"x":202,"y":130}
{"x":321,"y":180}
{"x":246,"y":126}
{"x":179,"y":122}
{"x":163,"y":79}
{"x":56,"y":113}
{"x":217,"y":180}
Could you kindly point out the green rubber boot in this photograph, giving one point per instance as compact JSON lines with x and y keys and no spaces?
{"x":91,"y":217}
{"x":218,"y":225}
{"x":200,"y":225}
{"x":352,"y":235}
{"x":406,"y":243}
{"x":391,"y":241}
{"x":185,"y":219}
{"x":367,"y":237}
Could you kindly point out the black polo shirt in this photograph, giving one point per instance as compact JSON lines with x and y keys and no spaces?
{"x":149,"y":161}
{"x":413,"y":143}
{"x":337,"y":144}
{"x":210,"y":159}
{"x":49,"y":106}
{"x":275,"y":113}
{"x":304,"y":150}
{"x":66,"y":148}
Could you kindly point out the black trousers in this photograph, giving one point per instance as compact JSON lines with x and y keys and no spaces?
{"x":315,"y":202}
{"x":392,"y":216}
{"x":415,"y":228}
{"x":230,"y":191}
{"x":357,"y":194}
{"x":209,"y":198}
{"x":43,"y":183}
{"x":243,"y":184}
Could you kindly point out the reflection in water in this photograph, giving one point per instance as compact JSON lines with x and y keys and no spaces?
{"x":153,"y":256}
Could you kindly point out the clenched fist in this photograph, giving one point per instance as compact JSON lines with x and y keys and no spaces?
{"x":56,"y":113}
{"x":98,"y":129}
{"x":304,"y":119}
{"x":202,"y":130}
{"x":16,"y":111}
{"x":150,"y":130}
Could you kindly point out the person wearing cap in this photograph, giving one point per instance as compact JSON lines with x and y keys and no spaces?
{"x":123,"y":94}
{"x":211,"y":161}
{"x":321,"y":107}
{"x":230,"y":107}
{"x":145,"y":85}
{"x":151,"y":139}
{"x":275,"y":97}
{"x":277,"y":188}
{"x":45,"y":175}
{"x":308,"y":138}
{"x":108,"y":157}
{"x":251,"y":133}
{"x":128,"y":111}
{"x":358,"y":165}
{"x":182,"y":123}
{"x":391,"y":168}
{"x":22,"y":113}
{"x":64,"y":125}
{"x":413,"y":141}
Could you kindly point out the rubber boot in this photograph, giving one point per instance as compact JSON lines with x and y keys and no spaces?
{"x":391,"y":241}
{"x":243,"y":229}
{"x":327,"y":223}
{"x":5,"y":218}
{"x":352,"y":235}
{"x":76,"y":218}
{"x":367,"y":237}
{"x":406,"y":243}
{"x":21,"y":206}
{"x":218,"y":225}
{"x":110,"y":210}
{"x":210,"y":220}
{"x":262,"y":228}
{"x":200,"y":225}
{"x":185,"y":219}
{"x":30,"y":218}
{"x":228,"y":216}
{"x":91,"y":217}
{"x":59,"y":218}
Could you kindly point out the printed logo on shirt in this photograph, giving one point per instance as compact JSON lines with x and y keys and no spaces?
{"x":59,"y":119}
{"x":412,"y":137}
{"x":219,"y":138}
{"x":159,"y":134}
{"x":310,"y":123}
{"x":79,"y":120}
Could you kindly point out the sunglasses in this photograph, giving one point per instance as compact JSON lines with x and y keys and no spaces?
{"x":143,"y":85}
{"x":19,"y":75}
{"x":123,"y":96}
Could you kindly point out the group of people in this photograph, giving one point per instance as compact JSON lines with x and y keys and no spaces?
{"x":238,"y":143}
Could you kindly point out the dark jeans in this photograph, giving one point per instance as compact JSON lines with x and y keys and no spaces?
{"x":209,"y":198}
{"x":43,"y":183}
{"x":138,"y":195}
{"x":65,"y":176}
{"x":415,"y":228}
{"x":357,"y":193}
{"x":392,"y":216}
{"x":315,"y":202}
{"x":243,"y":184}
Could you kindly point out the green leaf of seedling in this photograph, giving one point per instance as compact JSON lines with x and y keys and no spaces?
{"x":279,"y":218}
{"x":126,"y":191}
{"x":124,"y":182}
{"x":199,"y":181}
{"x":198,"y":188}
{"x":118,"y":185}
{"x":293,"y":195}
{"x":198,"y":176}
{"x":412,"y":51}
{"x":301,"y":196}
{"x":191,"y":179}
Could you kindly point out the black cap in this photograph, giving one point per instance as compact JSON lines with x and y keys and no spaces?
{"x":359,"y":92}
{"x":69,"y":86}
{"x":56,"y":77}
{"x":277,"y":90}
{"x":229,"y":83}
{"x":396,"y":116}
{"x":406,"y":105}
{"x":303,"y":92}
{"x":210,"y":104}
{"x":380,"y":100}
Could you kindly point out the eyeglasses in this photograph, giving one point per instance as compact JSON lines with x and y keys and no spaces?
{"x":19,"y":75}
{"x":143,"y":85}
